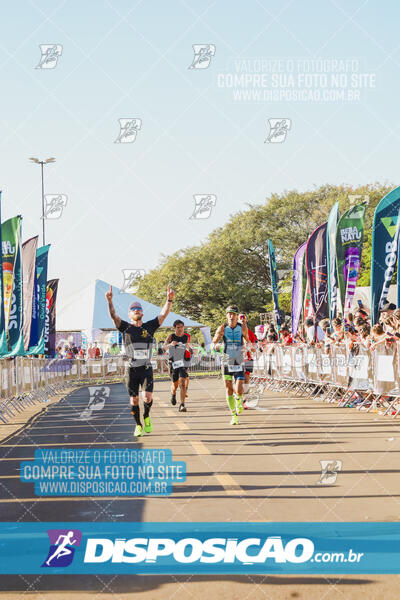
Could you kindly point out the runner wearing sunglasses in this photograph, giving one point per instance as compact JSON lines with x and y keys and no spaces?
{"x":138,"y":340}
{"x":233,"y":333}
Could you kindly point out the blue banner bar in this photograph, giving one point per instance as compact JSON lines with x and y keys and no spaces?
{"x":199,"y":548}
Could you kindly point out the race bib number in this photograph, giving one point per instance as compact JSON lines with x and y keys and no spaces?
{"x":140,"y":354}
{"x":235,"y":368}
{"x":177,"y":364}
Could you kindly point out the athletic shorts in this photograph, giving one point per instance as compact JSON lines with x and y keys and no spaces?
{"x":178,"y":373}
{"x":248,"y":366}
{"x":236,"y":375}
{"x":139,"y":377}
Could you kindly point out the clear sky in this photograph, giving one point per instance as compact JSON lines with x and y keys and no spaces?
{"x":203,"y":131}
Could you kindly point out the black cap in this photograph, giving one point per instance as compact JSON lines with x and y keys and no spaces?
{"x":232,"y":308}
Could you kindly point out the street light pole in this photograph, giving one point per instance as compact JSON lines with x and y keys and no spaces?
{"x":41,"y":163}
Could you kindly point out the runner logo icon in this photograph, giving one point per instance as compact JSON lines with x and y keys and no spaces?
{"x":203,"y":54}
{"x":278,"y":130}
{"x":62,"y":547}
{"x":329,"y":471}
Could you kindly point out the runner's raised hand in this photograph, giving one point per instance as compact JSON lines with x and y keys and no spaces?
{"x":109,"y":294}
{"x":170,"y":293}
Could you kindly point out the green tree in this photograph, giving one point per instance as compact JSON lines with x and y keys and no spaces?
{"x":232,"y":264}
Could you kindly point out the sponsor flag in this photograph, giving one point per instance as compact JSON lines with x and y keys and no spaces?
{"x":28,"y":285}
{"x":297,"y":287}
{"x":391,"y":261}
{"x":317,"y":272}
{"x":36,"y":342}
{"x":274,"y":284}
{"x":3,"y":338}
{"x":398,"y":263}
{"x":50,"y":323}
{"x":12,"y":286}
{"x":349,"y":241}
{"x":383,"y":257}
{"x":331,"y":257}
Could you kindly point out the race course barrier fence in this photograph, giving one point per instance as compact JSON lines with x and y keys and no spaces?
{"x":28,"y":380}
{"x":366,"y":379}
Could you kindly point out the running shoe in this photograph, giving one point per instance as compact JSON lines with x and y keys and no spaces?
{"x":138,"y":431}
{"x":148,"y":426}
{"x":234,"y":420}
{"x":239,"y":405}
{"x":182,"y":408}
{"x":173,"y":399}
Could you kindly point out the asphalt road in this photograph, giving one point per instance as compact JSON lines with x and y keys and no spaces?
{"x":266,"y":469}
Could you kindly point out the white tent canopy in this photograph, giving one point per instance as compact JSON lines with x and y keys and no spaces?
{"x":88,"y":310}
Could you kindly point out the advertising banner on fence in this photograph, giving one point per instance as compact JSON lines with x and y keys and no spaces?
{"x":317,"y":272}
{"x":12,"y":285}
{"x":50,"y":322}
{"x":349,"y":241}
{"x":297,"y":287}
{"x":28,"y":285}
{"x":39,"y":307}
{"x":383,"y":257}
{"x":331,"y":257}
{"x":274,"y":283}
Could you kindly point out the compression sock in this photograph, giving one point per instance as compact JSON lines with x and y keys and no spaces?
{"x":231,"y":403}
{"x":246,"y":387}
{"x":136,"y":413}
{"x":147,"y":407}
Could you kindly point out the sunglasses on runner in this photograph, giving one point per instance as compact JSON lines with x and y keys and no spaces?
{"x":135,"y":306}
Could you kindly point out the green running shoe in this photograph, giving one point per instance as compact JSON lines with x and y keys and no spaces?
{"x":138,"y":431}
{"x":234,"y":420}
{"x":148,"y":426}
{"x":239,"y":405}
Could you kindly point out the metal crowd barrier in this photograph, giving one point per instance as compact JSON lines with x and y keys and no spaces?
{"x":27,"y":380}
{"x":358,"y":377}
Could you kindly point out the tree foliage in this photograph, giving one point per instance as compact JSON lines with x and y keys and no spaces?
{"x":231,"y":265}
